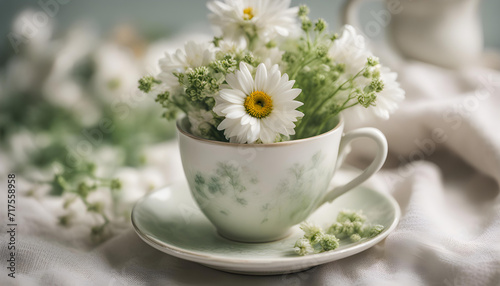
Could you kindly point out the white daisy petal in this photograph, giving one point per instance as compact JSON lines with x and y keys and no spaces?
{"x":233,"y":108}
{"x":274,"y":76}
{"x":236,"y":114}
{"x":224,"y":125}
{"x":261,"y":77}
{"x":232,"y":95}
{"x":245,"y":119}
{"x":289,"y":94}
{"x":245,"y":78}
{"x":233,"y":82}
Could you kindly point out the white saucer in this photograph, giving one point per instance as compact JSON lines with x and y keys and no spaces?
{"x":170,"y":221}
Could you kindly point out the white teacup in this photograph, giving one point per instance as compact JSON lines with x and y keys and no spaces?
{"x":257,"y":192}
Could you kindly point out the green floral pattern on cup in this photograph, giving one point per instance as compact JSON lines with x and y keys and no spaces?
{"x":301,"y":186}
{"x":226,"y":180}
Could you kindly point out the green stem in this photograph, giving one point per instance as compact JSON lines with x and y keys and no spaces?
{"x":304,"y":122}
{"x":251,"y":41}
{"x":180,"y":106}
{"x":324,"y":101}
{"x":308,"y":40}
{"x":320,"y":128}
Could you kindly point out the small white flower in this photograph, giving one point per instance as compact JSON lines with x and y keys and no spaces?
{"x":232,"y":47}
{"x":390,"y":97}
{"x":116,"y":70}
{"x":265,"y":19}
{"x":192,"y":56}
{"x":351,"y":50}
{"x":310,"y":229}
{"x":259,"y":109}
{"x":387,"y":101}
{"x":270,"y":56}
{"x":35,"y":37}
{"x":303,"y":247}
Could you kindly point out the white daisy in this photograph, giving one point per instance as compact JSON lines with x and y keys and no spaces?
{"x":192,"y":56}
{"x":270,"y":56}
{"x":232,"y":47}
{"x":351,"y":50}
{"x":262,"y":18}
{"x":387,"y":101}
{"x":259,"y":109}
{"x":389,"y":98}
{"x":116,"y":70}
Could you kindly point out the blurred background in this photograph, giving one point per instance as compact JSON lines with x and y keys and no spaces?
{"x":158,"y":18}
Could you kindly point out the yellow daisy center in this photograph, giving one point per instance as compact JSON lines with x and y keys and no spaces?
{"x":248,"y":13}
{"x":258,"y":104}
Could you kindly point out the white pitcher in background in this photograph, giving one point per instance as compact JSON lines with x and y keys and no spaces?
{"x":445,"y":32}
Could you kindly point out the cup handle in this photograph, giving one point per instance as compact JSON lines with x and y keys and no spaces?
{"x":375,"y":165}
{"x":350,"y":12}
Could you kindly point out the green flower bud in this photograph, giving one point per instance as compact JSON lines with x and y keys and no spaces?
{"x":250,"y":59}
{"x":271,"y":44}
{"x":372,"y":61}
{"x":310,"y":230}
{"x":340,"y":68}
{"x":328,"y":242}
{"x":319,"y":79}
{"x":289,"y":57}
{"x":65,"y":220}
{"x":367,"y":100}
{"x":335,"y":75}
{"x":355,"y":237}
{"x":320,"y":25}
{"x":324,"y":68}
{"x":375,"y":230}
{"x":180,"y":77}
{"x":303,"y":246}
{"x":95,"y":207}
{"x":170,"y":114}
{"x":146,"y":83}
{"x":306,"y":24}
{"x":377,"y":85}
{"x":217,"y":40}
{"x":303,"y":11}
{"x":163,"y":98}
{"x":321,"y":51}
{"x":115,"y":185}
{"x":83,"y":190}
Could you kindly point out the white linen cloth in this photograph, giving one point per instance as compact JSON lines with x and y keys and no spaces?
{"x":449,"y":233}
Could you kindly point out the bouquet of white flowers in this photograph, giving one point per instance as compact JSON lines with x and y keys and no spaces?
{"x":272,"y":75}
